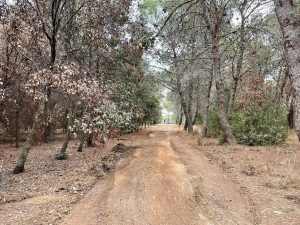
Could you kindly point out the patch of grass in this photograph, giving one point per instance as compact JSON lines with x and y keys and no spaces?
{"x":287,"y":210}
{"x":284,"y":176}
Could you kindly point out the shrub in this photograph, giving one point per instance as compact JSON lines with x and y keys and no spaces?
{"x":214,"y":128}
{"x":254,"y":125}
{"x":257,"y":125}
{"x":199,"y":119}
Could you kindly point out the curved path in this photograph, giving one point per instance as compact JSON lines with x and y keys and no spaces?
{"x":163,"y":181}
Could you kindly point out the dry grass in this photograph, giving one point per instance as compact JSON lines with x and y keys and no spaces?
{"x":268,"y":177}
{"x":286,"y":174}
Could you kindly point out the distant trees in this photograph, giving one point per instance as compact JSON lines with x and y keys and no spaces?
{"x":221,"y":54}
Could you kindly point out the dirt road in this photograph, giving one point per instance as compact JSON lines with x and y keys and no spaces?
{"x":163,"y":181}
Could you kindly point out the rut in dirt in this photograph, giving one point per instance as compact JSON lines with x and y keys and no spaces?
{"x":163,"y":181}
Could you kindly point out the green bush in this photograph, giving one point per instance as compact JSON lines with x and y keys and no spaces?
{"x":214,"y":128}
{"x":199,"y":119}
{"x":253,"y":125}
{"x":257,"y":125}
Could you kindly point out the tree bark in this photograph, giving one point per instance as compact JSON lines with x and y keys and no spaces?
{"x":45,"y":125}
{"x":82,"y":142}
{"x":237,"y":73}
{"x":229,"y":137}
{"x":180,"y":119}
{"x":206,"y":110}
{"x":63,"y":150}
{"x":185,"y":127}
{"x":18,"y":127}
{"x":188,"y":119}
{"x":232,"y":94}
{"x":195,"y":116}
{"x":290,"y":28}
{"x":291,"y":116}
{"x":189,"y":107}
{"x":179,"y":114}
{"x":19,"y":168}
{"x":280,"y":89}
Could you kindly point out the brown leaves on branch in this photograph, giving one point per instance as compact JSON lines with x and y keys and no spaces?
{"x":254,"y":90}
{"x":73,"y":52}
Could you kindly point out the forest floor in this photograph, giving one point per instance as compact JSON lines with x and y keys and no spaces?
{"x":162,"y":176}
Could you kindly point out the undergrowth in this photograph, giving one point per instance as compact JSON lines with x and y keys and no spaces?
{"x":254,"y":125}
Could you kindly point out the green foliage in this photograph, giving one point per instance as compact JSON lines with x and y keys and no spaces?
{"x":257,"y":125}
{"x":151,"y":109}
{"x":199,"y":119}
{"x":214,"y":128}
{"x":150,"y":7}
{"x":253,"y":125}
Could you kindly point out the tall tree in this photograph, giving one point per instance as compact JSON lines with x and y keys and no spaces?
{"x":212,"y":15}
{"x":290,"y":27}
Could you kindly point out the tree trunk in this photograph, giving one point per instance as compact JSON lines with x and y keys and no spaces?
{"x":19,"y":168}
{"x":179,"y":115}
{"x":280,"y":90}
{"x":197,"y":110}
{"x":213,"y":28}
{"x":206,"y":110}
{"x":232,"y":94}
{"x":180,"y":119}
{"x":237,"y":75}
{"x":185,"y":127}
{"x":229,"y":137}
{"x":195,"y":117}
{"x":189,"y":107}
{"x":186,"y":110}
{"x":290,"y":28}
{"x":188,"y":120}
{"x":82,"y":141}
{"x":18,"y":127}
{"x":186,"y":106}
{"x":62,"y":155}
{"x":291,"y":116}
{"x":45,"y":125}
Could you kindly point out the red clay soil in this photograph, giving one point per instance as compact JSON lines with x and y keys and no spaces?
{"x":165,"y":177}
{"x":163,"y":182}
